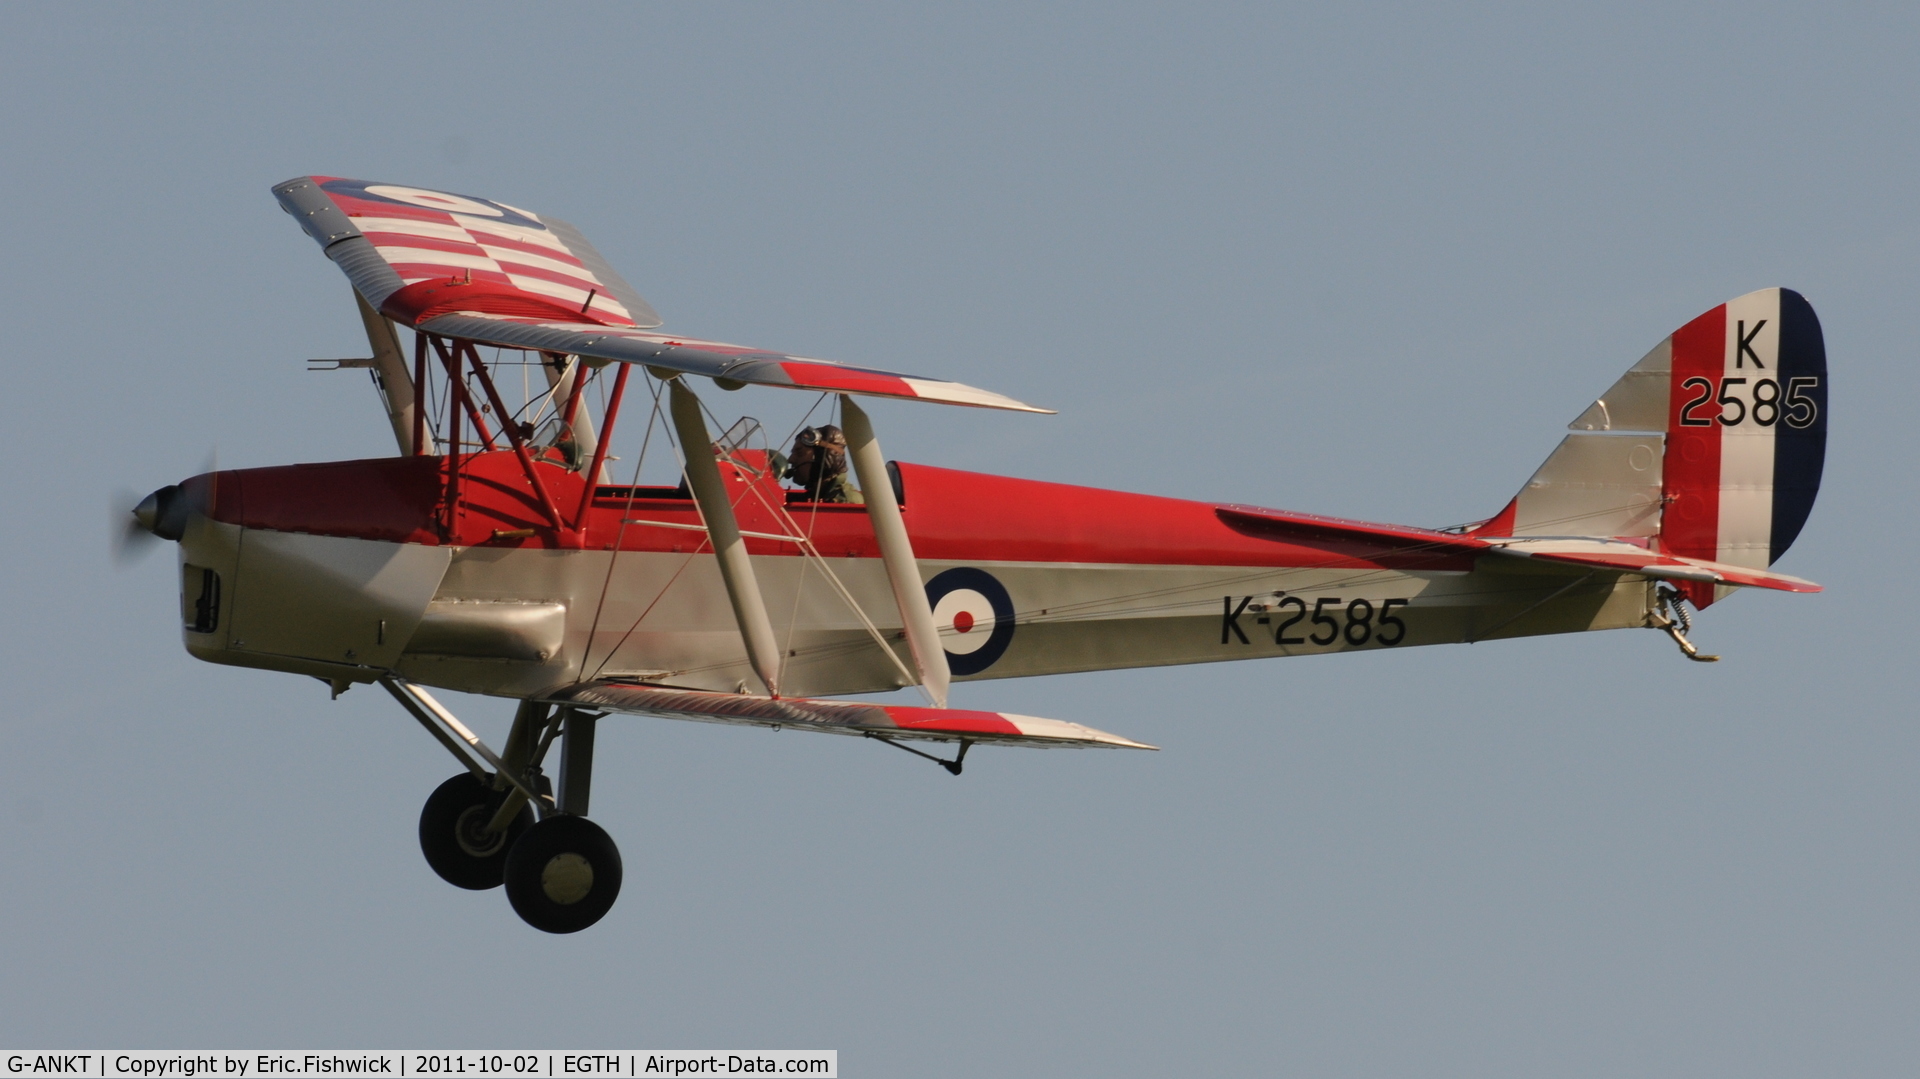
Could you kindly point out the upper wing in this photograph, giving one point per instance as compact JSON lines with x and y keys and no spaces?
{"x":838,"y":717}
{"x":715,"y":359}
{"x":388,"y":238}
{"x":481,"y":270}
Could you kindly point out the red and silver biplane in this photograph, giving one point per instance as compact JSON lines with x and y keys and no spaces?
{"x":497,"y":553}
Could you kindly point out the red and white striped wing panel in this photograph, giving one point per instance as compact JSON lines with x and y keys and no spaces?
{"x":841,"y":717}
{"x":468,"y":267}
{"x":438,"y":237}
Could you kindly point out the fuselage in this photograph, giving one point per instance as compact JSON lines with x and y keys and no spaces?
{"x":348,"y":570}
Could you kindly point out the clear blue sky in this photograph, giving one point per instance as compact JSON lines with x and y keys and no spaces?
{"x":1347,"y":259}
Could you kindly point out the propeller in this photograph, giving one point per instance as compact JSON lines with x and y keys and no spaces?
{"x":136,"y":522}
{"x":131,"y":541}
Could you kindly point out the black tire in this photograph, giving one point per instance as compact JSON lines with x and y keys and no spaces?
{"x":563,"y":875}
{"x":453,"y":833}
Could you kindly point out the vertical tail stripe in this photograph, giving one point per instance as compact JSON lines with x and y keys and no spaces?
{"x":1800,"y":437}
{"x":1750,"y":389}
{"x":1691,"y":471}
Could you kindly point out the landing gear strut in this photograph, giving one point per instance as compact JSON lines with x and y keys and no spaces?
{"x":479,"y":830}
{"x":564,"y":874}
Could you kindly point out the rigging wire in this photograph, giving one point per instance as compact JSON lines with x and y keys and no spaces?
{"x":666,"y":431}
{"x":619,"y":535}
{"x":804,"y":540}
{"x":800,"y":578}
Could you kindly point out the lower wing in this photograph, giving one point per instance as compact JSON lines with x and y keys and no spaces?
{"x":893,"y":722}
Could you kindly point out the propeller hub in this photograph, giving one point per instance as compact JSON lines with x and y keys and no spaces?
{"x":164,"y":512}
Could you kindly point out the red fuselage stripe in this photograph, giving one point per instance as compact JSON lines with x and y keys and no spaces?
{"x":951,"y":516}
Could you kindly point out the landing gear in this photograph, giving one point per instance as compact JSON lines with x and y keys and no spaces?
{"x":457,"y":835}
{"x":1670,"y":614}
{"x":563,"y":875}
{"x":478,"y":829}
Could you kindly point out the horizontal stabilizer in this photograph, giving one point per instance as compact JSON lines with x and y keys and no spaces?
{"x":1595,"y":553}
{"x":894,"y":722}
{"x":1632,"y":558}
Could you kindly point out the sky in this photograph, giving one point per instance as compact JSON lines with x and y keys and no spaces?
{"x":1362,"y":260}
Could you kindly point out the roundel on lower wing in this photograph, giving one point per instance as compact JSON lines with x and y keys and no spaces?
{"x":974,"y":615}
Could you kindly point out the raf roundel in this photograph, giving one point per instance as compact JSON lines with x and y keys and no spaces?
{"x":415,"y":199}
{"x":974,"y":616}
{"x":433,"y":200}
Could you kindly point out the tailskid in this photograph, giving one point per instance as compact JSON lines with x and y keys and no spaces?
{"x":1670,"y":614}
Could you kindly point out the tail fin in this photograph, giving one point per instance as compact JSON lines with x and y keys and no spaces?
{"x":1710,"y":447}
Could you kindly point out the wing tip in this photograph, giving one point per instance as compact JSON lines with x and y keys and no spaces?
{"x":1066,"y":732}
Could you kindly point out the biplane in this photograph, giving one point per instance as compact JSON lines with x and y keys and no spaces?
{"x":497,"y":552}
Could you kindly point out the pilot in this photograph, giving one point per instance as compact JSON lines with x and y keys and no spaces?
{"x":819,"y":465}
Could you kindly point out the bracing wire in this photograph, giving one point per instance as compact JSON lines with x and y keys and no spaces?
{"x":619,"y":536}
{"x":666,"y":431}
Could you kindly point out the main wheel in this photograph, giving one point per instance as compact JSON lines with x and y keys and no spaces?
{"x":454,"y":836}
{"x":563,"y":875}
